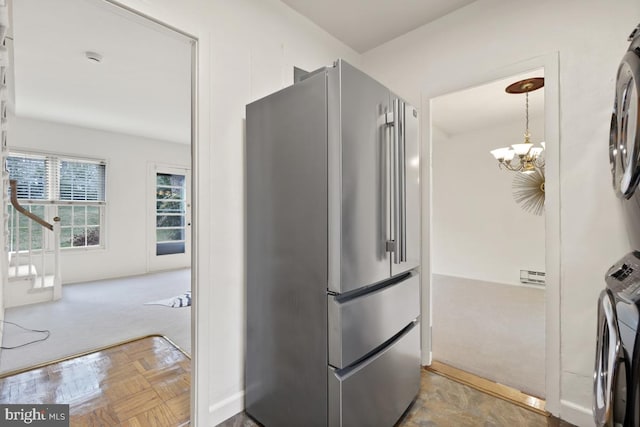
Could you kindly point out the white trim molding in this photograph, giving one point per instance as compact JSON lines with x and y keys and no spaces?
{"x":576,"y":414}
{"x":202,"y":181}
{"x":226,"y":408}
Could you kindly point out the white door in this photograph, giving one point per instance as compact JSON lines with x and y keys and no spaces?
{"x":170,"y":218}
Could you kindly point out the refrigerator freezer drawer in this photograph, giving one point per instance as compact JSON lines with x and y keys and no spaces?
{"x":376,"y":392}
{"x":360,"y":325}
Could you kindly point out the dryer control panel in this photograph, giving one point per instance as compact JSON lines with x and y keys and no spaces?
{"x":623,"y":278}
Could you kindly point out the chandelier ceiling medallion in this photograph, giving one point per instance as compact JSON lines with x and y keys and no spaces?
{"x":523,"y":157}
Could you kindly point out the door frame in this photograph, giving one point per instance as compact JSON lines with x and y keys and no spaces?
{"x":550,"y":63}
{"x":201,"y":183}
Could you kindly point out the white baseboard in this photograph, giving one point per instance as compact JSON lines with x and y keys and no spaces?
{"x":576,"y":414}
{"x":227,"y":408}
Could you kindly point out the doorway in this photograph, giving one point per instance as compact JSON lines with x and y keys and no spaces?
{"x":169,"y":233}
{"x":488,"y":257}
{"x":552,"y":256}
{"x":121,"y":113}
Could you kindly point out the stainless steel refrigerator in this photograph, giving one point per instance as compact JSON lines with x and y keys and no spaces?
{"x":333,"y":253}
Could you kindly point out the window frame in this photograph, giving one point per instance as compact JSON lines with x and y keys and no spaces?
{"x":53,"y":201}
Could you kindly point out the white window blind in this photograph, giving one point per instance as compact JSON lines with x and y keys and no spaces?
{"x":32,"y":175}
{"x":82,"y":180}
{"x":62,"y":180}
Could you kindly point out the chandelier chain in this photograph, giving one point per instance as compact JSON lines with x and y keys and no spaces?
{"x":526,"y":112}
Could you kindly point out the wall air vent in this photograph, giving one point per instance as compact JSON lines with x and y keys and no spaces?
{"x":530,"y":277}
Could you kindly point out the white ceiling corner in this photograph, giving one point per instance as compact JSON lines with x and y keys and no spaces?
{"x":365,"y":24}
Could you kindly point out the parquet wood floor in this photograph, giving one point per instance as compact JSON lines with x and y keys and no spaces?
{"x":142,"y":383}
{"x":146,"y":383}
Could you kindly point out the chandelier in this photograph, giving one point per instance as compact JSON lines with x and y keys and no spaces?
{"x":524,"y":157}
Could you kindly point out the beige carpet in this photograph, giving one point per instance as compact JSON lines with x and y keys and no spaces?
{"x":96,"y":314}
{"x":492,"y":330}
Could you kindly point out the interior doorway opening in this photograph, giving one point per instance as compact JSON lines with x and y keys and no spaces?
{"x":123,"y":115}
{"x":488,"y":254}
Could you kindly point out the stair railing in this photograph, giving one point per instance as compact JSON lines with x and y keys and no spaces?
{"x":54,"y":227}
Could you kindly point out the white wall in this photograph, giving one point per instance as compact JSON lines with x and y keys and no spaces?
{"x":247,"y":49}
{"x":503,"y":336}
{"x":474,"y":213}
{"x":590,"y":38}
{"x":127,"y":213}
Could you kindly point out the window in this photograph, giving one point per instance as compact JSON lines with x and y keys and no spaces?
{"x":32,"y":176}
{"x":79,"y":226}
{"x":24,"y":235}
{"x":170,"y":214}
{"x":80,"y":180}
{"x":49,"y":186}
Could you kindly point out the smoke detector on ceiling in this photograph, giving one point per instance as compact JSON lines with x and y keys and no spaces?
{"x":93,"y":57}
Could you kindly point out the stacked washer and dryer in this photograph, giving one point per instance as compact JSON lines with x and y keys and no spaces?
{"x":617,"y":372}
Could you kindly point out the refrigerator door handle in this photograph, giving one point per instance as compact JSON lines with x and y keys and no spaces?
{"x":396,"y":184}
{"x":390,"y":118}
{"x":402,"y":166}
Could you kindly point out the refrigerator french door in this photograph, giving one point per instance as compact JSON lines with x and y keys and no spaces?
{"x":333,"y":250}
{"x":374,"y":191}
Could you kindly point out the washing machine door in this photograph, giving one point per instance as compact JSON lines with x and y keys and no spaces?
{"x":610,"y":376}
{"x":624,"y":138}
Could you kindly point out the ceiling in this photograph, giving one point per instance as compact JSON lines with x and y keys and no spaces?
{"x":486,"y":106}
{"x":365,"y":24}
{"x":135,"y":89}
{"x":142,"y":86}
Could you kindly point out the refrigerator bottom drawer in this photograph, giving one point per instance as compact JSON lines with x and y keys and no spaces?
{"x":359,"y":325}
{"x":376,"y":392}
